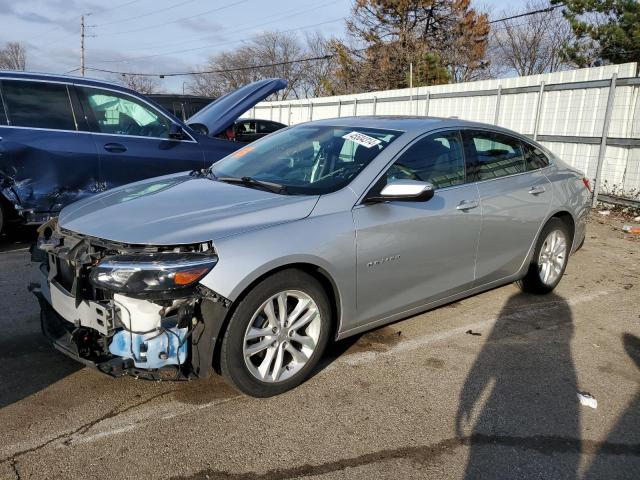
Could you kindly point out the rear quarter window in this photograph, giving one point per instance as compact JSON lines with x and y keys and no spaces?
{"x":534,"y":157}
{"x":38,"y":105}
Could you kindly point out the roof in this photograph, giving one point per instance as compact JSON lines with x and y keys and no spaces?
{"x":405,"y":123}
{"x":47,"y":77}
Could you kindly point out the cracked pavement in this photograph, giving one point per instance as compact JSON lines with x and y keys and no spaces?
{"x":420,"y":398}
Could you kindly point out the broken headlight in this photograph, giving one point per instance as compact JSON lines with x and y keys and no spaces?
{"x":156,"y":272}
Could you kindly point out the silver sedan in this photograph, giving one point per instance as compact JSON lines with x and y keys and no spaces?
{"x":314,"y":233}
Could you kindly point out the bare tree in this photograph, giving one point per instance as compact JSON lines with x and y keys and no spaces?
{"x":272,"y":54}
{"x":140,"y":83}
{"x":317,"y":74}
{"x":13,"y":57}
{"x":530,"y":45}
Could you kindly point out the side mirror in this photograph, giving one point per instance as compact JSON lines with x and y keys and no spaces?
{"x":176,"y":132}
{"x":404,"y":190}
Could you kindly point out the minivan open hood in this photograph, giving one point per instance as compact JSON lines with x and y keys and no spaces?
{"x":220,"y":114}
{"x":180,"y":209}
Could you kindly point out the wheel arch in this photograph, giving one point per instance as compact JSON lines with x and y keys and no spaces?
{"x":567,"y":218}
{"x":316,"y":271}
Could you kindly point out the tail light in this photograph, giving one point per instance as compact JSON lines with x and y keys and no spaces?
{"x":587,"y":184}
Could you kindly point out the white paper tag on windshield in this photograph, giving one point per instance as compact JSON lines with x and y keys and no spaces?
{"x":362,"y":139}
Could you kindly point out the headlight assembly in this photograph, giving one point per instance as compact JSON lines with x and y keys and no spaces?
{"x":156,"y":272}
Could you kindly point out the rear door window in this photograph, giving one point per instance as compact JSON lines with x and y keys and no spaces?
{"x":120,"y":114}
{"x":437,"y":159}
{"x":493,"y":155}
{"x":534,"y":157}
{"x":38,"y":105}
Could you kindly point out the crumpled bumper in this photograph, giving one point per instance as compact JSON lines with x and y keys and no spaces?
{"x":73,"y":338}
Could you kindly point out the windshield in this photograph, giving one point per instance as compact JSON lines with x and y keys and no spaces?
{"x":307,"y":159}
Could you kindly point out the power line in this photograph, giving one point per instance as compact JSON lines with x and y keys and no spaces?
{"x":323,"y":57}
{"x":46,"y":32}
{"x":226,"y":70}
{"x":136,"y":30}
{"x":277,"y":19}
{"x":214,"y":45}
{"x":136,"y":17}
{"x":525,"y":14}
{"x":115,"y":7}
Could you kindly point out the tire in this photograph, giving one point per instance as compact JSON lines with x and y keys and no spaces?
{"x":3,"y":218}
{"x":257,"y":322}
{"x":537,"y":280}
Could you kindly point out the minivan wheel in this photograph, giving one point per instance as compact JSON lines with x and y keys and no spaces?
{"x":276,"y":335}
{"x":549,"y":258}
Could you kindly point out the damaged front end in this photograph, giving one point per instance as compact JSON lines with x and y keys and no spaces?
{"x":128,"y":309}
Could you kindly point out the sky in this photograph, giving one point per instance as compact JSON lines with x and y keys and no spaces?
{"x":160,"y":36}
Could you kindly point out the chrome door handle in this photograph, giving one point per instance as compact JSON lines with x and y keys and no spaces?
{"x":467,"y":205}
{"x":537,"y":190}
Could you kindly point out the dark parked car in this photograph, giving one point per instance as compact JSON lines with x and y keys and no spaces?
{"x":248,"y":130}
{"x":182,"y":106}
{"x":65,"y":138}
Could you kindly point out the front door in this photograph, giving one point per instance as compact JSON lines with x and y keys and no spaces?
{"x":132,"y":138}
{"x":412,"y":253}
{"x":515,"y":197}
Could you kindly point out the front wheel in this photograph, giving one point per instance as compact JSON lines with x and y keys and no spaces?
{"x":549,"y":258}
{"x":276,"y":335}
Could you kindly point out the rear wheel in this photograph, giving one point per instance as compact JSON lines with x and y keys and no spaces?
{"x":549,"y":258}
{"x":276,"y":335}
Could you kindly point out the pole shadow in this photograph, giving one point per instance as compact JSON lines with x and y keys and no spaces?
{"x":524,"y":384}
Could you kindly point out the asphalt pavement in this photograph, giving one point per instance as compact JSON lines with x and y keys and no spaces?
{"x":483,"y":388}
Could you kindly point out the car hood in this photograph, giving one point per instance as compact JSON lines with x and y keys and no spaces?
{"x":180,"y":209}
{"x":222,"y":113}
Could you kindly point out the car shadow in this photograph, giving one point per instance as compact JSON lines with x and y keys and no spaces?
{"x":518,"y":410}
{"x":29,"y":362}
{"x":20,"y":237}
{"x":29,"y":365}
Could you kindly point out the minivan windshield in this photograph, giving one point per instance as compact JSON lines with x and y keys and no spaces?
{"x":307,"y":159}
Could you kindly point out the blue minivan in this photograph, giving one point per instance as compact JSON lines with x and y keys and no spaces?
{"x":64,"y":138}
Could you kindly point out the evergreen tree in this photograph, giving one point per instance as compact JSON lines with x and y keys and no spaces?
{"x":605,"y":29}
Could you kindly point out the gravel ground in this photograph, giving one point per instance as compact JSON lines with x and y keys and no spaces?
{"x":421,"y":398}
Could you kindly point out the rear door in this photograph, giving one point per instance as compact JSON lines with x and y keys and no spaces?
{"x":47,"y":156}
{"x":515,"y":197}
{"x":132,"y":137}
{"x":412,"y":253}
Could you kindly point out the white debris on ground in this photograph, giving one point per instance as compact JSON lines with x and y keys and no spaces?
{"x":604,"y":212}
{"x":587,"y":400}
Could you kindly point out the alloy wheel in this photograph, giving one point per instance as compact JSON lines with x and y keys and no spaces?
{"x":553,"y":256}
{"x":281,"y":336}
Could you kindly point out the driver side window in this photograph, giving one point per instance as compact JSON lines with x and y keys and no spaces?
{"x":437,"y":159}
{"x":121,"y":114}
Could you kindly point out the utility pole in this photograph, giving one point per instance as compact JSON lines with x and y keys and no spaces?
{"x":82,"y":37}
{"x":82,"y":45}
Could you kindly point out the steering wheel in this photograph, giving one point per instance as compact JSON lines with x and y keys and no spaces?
{"x":346,"y":169}
{"x":405,"y":171}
